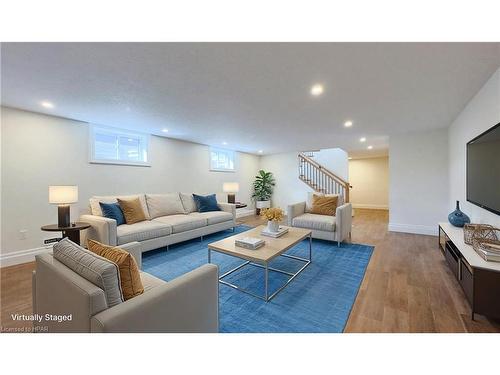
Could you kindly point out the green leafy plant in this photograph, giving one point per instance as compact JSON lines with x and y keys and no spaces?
{"x":263,"y":186}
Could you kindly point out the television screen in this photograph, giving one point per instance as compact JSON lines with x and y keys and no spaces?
{"x":483,"y":170}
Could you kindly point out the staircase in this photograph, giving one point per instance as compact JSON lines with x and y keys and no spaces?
{"x":319,"y":178}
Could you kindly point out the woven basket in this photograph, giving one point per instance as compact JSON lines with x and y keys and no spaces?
{"x":474,"y":232}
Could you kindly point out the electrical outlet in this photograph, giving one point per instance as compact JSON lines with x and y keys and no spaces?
{"x":52,"y":240}
{"x":23,"y":234}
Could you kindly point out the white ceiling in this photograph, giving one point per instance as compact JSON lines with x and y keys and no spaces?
{"x":254,"y":96}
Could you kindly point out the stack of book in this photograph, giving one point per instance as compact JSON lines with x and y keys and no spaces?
{"x":251,"y":243}
{"x":281,"y":231}
{"x":489,"y":251}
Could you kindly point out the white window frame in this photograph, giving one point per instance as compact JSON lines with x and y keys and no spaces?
{"x":144,"y":140}
{"x":218,"y":149}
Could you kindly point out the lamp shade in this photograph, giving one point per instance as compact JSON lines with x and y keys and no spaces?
{"x":230,"y":187}
{"x":63,"y":194}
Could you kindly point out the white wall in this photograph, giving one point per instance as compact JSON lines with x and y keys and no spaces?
{"x":369,"y":178}
{"x":40,"y":150}
{"x":289,"y":189}
{"x":480,"y":114}
{"x":418,"y":192}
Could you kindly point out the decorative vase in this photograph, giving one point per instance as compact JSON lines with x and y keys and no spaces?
{"x":458,"y":218}
{"x":273,"y":226}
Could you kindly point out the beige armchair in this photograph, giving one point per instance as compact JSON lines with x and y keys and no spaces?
{"x":331,"y":228}
{"x":188,"y":303}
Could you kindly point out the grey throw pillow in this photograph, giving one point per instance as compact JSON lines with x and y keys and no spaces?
{"x":98,"y":270}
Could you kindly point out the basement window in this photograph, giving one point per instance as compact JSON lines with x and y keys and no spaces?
{"x":117,"y":146}
{"x":221,"y":160}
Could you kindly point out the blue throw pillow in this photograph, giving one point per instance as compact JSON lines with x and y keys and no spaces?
{"x":113,"y":211}
{"x":206,"y":203}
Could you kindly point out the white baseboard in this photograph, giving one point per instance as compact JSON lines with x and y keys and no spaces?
{"x":370,"y":206}
{"x":412,"y":228}
{"x":22,"y":256}
{"x":244,"y":212}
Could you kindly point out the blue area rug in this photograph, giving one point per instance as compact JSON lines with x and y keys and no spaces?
{"x":318,"y":300}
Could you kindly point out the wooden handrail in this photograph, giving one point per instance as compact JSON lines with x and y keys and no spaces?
{"x":326,"y":171}
{"x":318,"y":181}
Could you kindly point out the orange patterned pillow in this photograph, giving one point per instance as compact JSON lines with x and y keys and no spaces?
{"x":324,"y":205}
{"x":130,"y":277}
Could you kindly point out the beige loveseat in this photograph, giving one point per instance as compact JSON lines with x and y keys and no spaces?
{"x":171,"y":218}
{"x":188,"y":303}
{"x":331,"y":228}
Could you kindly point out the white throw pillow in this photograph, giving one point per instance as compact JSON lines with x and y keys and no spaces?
{"x":188,"y":203}
{"x":164,"y":204}
{"x":95,"y":208}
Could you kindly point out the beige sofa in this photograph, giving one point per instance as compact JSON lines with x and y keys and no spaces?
{"x":188,"y":303}
{"x":171,"y":218}
{"x":330,"y":228}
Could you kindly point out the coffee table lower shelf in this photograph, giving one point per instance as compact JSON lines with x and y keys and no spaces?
{"x":266,"y":297}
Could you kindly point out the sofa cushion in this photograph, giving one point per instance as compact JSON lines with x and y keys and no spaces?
{"x":150,"y":282}
{"x":309,"y":201}
{"x":213,"y":217}
{"x":141,"y":231}
{"x":98,"y":270}
{"x":182,"y":223}
{"x":132,"y":210}
{"x":317,"y":222}
{"x":130,"y":279}
{"x":206,"y":203}
{"x":112,"y":211}
{"x":188,"y":203}
{"x":96,"y":209}
{"x":164,"y":204}
{"x":324,"y":205}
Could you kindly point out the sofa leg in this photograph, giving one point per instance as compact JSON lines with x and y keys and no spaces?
{"x":168,"y":247}
{"x":201,"y":238}
{"x":233,"y":229}
{"x":338,"y":243}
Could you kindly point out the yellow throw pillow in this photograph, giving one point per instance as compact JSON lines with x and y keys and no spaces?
{"x":130,"y":277}
{"x":132,"y":210}
{"x":324,"y":205}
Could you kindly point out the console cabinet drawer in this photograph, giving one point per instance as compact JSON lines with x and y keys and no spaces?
{"x":466,"y":281}
{"x":452,"y":259}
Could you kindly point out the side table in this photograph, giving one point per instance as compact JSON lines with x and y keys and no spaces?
{"x":72,"y":232}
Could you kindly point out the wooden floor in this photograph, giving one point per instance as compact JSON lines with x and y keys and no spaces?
{"x":407,"y":286}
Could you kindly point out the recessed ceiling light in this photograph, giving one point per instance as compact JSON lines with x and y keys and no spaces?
{"x":363,"y":139}
{"x":350,"y":158}
{"x":370,"y":147}
{"x":224,"y":143}
{"x":47,"y":104}
{"x":260,"y":151}
{"x":348,"y":124}
{"x":317,"y":89}
{"x":164,"y":130}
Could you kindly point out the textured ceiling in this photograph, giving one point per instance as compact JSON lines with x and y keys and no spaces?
{"x":253,"y":96}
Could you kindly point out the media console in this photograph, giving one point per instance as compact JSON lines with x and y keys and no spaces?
{"x":479,"y":279}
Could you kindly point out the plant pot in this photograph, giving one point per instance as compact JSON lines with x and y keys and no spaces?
{"x":262,"y":204}
{"x":273,"y":226}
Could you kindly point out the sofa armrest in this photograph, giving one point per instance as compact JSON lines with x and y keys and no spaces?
{"x":135,"y":249}
{"x":343,"y":221}
{"x":294,"y":210}
{"x":101,"y":229}
{"x":228,"y":207}
{"x":189,"y":303}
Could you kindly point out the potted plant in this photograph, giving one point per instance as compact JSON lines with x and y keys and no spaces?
{"x":263,"y":189}
{"x":273,"y":216}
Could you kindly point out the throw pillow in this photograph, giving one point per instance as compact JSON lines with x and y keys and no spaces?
{"x":130,"y":278}
{"x":92,"y":267}
{"x":132,"y":210}
{"x":323,"y":205}
{"x":206,"y":203}
{"x":112,"y":211}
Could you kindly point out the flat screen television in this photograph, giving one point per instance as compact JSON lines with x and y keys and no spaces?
{"x":483,"y":170}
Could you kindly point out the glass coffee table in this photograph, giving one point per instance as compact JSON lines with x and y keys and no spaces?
{"x":261,"y":257}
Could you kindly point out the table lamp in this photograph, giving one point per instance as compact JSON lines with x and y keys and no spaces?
{"x":63,"y":196}
{"x":231,"y":188}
